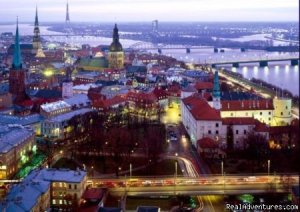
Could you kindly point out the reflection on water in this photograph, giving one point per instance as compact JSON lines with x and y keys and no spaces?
{"x":282,"y":75}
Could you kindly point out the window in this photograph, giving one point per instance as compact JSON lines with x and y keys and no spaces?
{"x":209,"y":132}
{"x":237,"y":132}
{"x":260,"y":113}
{"x":269,"y":119}
{"x":270,"y":113}
{"x":231,"y":114}
{"x":245,"y":132}
{"x":286,"y":107}
{"x":217,"y":124}
{"x":70,"y":186}
{"x":281,"y":113}
{"x":75,"y":186}
{"x":217,"y":132}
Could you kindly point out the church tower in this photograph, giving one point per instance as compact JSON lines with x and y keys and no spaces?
{"x":17,"y":73}
{"x":67,"y":85}
{"x":216,"y":92}
{"x":116,"y":53}
{"x":36,"y":42}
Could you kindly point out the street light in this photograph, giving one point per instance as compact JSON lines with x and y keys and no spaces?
{"x":222,"y":168}
{"x":175,"y":178}
{"x":269,"y":164}
{"x":130,"y":170}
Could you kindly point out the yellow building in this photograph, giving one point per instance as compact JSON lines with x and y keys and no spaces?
{"x":261,"y":110}
{"x":282,"y":111}
{"x":16,"y":144}
{"x":116,"y":53}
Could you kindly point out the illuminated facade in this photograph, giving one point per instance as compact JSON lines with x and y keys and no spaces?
{"x":16,"y":142}
{"x":116,"y":53}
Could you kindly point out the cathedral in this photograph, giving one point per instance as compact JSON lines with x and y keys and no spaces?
{"x":116,"y":53}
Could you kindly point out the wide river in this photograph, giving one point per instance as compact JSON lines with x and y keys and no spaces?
{"x":281,"y":74}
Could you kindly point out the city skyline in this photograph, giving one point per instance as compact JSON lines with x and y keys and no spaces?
{"x":124,"y":11}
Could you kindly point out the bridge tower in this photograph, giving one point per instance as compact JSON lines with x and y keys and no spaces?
{"x":68,"y":28}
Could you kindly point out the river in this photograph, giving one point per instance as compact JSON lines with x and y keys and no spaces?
{"x":279,"y":73}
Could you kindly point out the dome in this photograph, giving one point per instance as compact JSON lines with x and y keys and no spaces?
{"x":115,"y":47}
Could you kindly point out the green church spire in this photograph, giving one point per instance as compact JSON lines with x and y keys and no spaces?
{"x":216,"y":89}
{"x":17,"y":59}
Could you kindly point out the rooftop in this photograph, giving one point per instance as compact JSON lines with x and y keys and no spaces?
{"x":235,"y":105}
{"x":12,"y":135}
{"x":78,"y":100}
{"x":21,"y":120}
{"x":200,"y":109}
{"x":69,"y":115}
{"x":49,"y":107}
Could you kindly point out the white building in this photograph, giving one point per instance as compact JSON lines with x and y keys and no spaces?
{"x":202,"y":120}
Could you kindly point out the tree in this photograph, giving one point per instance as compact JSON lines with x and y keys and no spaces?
{"x":257,"y":147}
{"x":229,"y":137}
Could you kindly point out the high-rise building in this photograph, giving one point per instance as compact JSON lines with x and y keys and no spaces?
{"x":36,"y":42}
{"x":17,"y":73}
{"x":116,"y":53}
{"x":155,"y":26}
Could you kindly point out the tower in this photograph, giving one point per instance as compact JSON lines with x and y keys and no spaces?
{"x":155,"y":26}
{"x":216,"y":92}
{"x":68,"y":28}
{"x":116,"y":54}
{"x":17,"y":73}
{"x":67,"y":85}
{"x":36,"y":42}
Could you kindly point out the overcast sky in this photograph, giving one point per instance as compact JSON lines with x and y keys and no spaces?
{"x":147,"y":10}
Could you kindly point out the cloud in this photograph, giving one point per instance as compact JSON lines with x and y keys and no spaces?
{"x":145,"y":10}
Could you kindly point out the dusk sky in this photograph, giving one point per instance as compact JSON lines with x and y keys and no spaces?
{"x":147,"y":10}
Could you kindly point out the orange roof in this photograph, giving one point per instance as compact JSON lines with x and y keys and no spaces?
{"x":235,"y":105}
{"x":200,"y":109}
{"x":261,"y":127}
{"x":107,"y":103}
{"x":141,"y":97}
{"x":203,"y":85}
{"x":207,"y":142}
{"x":93,"y":193}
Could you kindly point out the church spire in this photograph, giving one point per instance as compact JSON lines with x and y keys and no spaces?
{"x":36,"y":21}
{"x":36,"y":41}
{"x":216,"y":88}
{"x":216,"y":92}
{"x":17,"y":59}
{"x":116,"y":34}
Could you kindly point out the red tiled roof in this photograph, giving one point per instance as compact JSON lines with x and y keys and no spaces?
{"x":158,"y":92}
{"x":239,"y":121}
{"x":93,"y":193}
{"x":236,"y":105}
{"x":203,"y":85}
{"x":207,"y":143}
{"x":200,"y":109}
{"x":106,"y":103}
{"x":141,"y":97}
{"x":261,"y":127}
